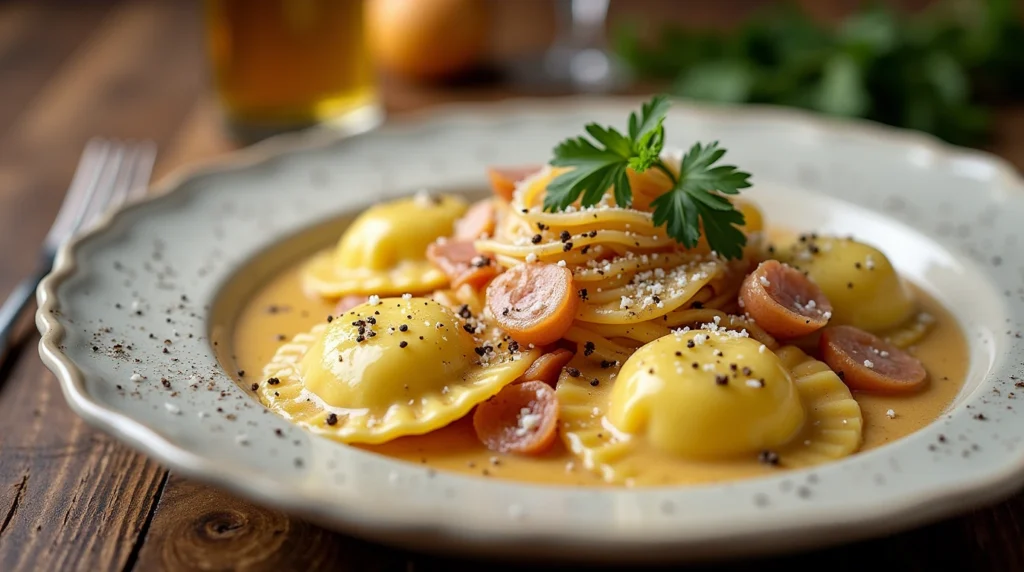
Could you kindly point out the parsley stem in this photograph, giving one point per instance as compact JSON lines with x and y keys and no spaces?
{"x":664,"y":169}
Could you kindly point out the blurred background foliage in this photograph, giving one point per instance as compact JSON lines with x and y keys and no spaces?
{"x":940,"y":70}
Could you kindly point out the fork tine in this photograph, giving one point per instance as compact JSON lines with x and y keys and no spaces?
{"x":80,"y":191}
{"x":143,"y":171}
{"x":109,"y":174}
{"x":122,"y":182}
{"x":106,"y":187}
{"x":133,"y":176}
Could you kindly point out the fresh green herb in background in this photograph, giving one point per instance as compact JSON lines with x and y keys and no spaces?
{"x":937,"y":71}
{"x":693,"y":201}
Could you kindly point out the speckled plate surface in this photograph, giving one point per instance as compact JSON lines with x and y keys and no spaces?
{"x":949,"y":219}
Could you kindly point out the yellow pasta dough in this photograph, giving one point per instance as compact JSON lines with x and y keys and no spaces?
{"x":783,"y":408}
{"x":706,"y":395}
{"x":403,"y":366}
{"x":857,"y":278}
{"x":383,"y":252}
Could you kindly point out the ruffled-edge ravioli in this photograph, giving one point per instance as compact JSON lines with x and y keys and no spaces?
{"x":383,"y":252}
{"x":358,"y":388}
{"x":832,"y":427}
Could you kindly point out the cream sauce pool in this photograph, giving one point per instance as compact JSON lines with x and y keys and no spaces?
{"x":280,"y":309}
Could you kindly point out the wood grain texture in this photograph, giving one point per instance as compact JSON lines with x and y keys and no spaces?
{"x":199,"y":528}
{"x":102,"y":89}
{"x":72,"y":498}
{"x":35,"y":40}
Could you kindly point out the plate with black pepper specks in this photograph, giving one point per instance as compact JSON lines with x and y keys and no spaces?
{"x":132,"y":324}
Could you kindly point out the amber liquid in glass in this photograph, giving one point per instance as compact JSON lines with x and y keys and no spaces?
{"x":281,"y":64}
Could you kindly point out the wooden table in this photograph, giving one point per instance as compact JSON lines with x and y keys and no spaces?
{"x":73,"y":498}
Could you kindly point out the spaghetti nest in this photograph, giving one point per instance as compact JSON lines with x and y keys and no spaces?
{"x":635,"y":283}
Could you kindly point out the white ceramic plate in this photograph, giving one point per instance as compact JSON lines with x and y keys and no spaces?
{"x":948,"y":218}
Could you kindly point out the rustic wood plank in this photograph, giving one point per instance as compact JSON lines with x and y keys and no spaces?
{"x":197,"y":527}
{"x":35,"y":39}
{"x":71,"y":498}
{"x":108,"y":89}
{"x":200,"y":528}
{"x":17,"y":20}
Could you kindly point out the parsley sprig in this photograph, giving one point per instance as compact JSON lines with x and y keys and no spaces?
{"x":694,"y":201}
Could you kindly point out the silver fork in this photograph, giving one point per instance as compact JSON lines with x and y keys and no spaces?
{"x":108,"y":175}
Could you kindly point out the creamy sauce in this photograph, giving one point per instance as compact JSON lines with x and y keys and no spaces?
{"x":281,"y":309}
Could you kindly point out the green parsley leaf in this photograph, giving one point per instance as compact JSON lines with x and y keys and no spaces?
{"x":695,"y":200}
{"x":596,"y":169}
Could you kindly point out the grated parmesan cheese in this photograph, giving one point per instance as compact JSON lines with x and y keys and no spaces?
{"x":527,"y":421}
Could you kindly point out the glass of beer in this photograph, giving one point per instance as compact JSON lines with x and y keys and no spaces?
{"x":280,"y":65}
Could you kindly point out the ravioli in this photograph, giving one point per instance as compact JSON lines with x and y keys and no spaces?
{"x":737,"y":401}
{"x":858,"y":279}
{"x":782,"y":407}
{"x":383,"y":252}
{"x":403,"y":366}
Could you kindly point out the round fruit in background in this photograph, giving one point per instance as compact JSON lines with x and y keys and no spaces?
{"x":425,"y":40}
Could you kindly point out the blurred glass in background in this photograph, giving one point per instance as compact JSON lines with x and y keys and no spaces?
{"x":279,"y":65}
{"x":940,"y":68}
{"x":579,"y":59}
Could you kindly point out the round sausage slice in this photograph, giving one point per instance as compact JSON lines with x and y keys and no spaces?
{"x":535,"y":303}
{"x":521,"y":418}
{"x":460,"y":261}
{"x":783,"y":301}
{"x":549,"y":366}
{"x":866,"y":362}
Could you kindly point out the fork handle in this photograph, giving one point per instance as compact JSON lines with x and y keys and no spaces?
{"x":14,"y":305}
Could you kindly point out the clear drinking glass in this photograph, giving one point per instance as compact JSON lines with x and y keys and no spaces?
{"x":579,"y":58}
{"x":279,"y":65}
